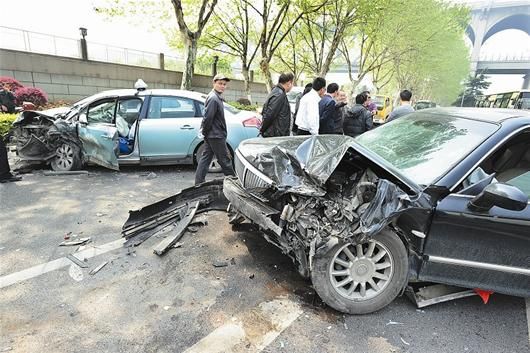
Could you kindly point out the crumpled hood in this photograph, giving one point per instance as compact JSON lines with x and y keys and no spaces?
{"x":303,"y":164}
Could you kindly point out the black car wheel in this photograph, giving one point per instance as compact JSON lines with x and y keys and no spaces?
{"x":67,"y":157}
{"x":361,"y":278}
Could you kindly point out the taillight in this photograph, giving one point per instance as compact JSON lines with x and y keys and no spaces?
{"x":252,"y":122}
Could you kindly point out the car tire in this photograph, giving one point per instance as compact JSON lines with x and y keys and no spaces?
{"x":215,"y":167}
{"x":67,"y":158}
{"x":339,"y":275}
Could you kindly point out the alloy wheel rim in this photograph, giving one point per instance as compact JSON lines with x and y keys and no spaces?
{"x":65,"y":156}
{"x":361,"y":271}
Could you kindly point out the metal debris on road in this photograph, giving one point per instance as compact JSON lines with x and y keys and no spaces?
{"x":96,"y":270}
{"x":76,"y":261}
{"x":151,"y":175}
{"x":177,"y":245}
{"x":394,"y":323}
{"x":402,"y":340}
{"x":75,"y":242}
{"x":168,"y":242}
{"x":144,"y":223}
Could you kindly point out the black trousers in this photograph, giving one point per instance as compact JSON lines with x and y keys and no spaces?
{"x":5,"y":172}
{"x":213,"y":147}
{"x":301,"y":132}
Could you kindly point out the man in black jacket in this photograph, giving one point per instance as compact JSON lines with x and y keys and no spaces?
{"x":358,"y":119}
{"x":213,"y":129}
{"x":276,"y":110}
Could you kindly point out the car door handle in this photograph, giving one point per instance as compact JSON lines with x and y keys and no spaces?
{"x":187,"y":127}
{"x":106,"y":137}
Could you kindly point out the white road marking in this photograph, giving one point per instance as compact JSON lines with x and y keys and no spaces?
{"x":252,"y":331}
{"x":53,"y":265}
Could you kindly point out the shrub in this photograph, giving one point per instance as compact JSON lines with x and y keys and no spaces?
{"x":31,"y":94}
{"x":6,"y":120}
{"x":252,"y":107}
{"x":13,"y":84}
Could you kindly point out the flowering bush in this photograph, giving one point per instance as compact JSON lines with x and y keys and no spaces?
{"x":31,"y":94}
{"x":11,"y":82}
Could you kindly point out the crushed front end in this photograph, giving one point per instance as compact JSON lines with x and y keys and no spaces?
{"x":309,"y":194}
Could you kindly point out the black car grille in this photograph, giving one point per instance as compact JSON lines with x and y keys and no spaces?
{"x":248,"y":175}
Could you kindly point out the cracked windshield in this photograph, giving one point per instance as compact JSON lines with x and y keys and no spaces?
{"x":426,"y":146}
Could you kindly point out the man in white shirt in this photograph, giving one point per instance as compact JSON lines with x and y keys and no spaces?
{"x":307,"y":117}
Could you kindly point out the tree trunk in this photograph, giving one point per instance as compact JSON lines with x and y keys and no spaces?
{"x":264,"y":66}
{"x":190,"y":56}
{"x":246,"y":77}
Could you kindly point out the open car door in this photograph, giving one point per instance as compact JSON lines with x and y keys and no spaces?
{"x":99,"y":135}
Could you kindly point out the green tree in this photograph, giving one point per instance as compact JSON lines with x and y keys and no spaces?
{"x":240,"y":39}
{"x":473,"y":87}
{"x":191,"y":18}
{"x":274,"y":25}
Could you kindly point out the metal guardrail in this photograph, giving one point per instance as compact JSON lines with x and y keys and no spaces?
{"x":34,"y":42}
{"x":515,"y":57}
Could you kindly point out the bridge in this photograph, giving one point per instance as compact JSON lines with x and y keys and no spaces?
{"x":489,"y":18}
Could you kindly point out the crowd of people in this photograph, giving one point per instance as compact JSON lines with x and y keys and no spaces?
{"x":319,"y":110}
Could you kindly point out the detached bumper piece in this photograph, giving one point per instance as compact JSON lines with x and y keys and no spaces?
{"x":178,"y":209}
{"x":250,"y":207}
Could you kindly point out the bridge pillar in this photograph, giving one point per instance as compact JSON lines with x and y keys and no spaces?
{"x":526,"y":82}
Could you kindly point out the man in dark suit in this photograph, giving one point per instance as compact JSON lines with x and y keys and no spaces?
{"x":330,"y":111}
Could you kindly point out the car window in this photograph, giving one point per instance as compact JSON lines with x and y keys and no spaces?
{"x":101,"y":112}
{"x":171,"y":107}
{"x":129,"y":109}
{"x":425,"y":146}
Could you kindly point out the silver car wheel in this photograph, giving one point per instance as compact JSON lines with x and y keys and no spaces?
{"x":64,"y":156}
{"x":362,"y":271}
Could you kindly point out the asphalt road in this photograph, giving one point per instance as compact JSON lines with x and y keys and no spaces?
{"x":180,"y":302}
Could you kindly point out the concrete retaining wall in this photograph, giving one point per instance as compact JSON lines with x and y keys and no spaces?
{"x":72,"y":79}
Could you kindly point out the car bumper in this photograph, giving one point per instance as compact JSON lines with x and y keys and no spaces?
{"x":249,"y":206}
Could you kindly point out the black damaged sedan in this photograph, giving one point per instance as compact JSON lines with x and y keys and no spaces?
{"x":439,"y":195}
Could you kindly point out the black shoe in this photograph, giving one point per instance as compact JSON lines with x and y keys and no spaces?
{"x":11,"y":178}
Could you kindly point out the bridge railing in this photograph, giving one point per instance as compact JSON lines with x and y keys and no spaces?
{"x":18,"y":39}
{"x":506,"y":57}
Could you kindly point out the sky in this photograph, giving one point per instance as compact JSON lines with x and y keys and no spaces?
{"x":64,"y":17}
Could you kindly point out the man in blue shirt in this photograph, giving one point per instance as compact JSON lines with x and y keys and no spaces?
{"x":404,"y":108}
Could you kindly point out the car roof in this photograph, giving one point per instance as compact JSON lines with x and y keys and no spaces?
{"x":485,"y":114}
{"x":148,"y":92}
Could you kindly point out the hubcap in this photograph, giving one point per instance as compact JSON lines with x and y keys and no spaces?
{"x":361,"y":271}
{"x":64,"y":156}
{"x":215,"y":164}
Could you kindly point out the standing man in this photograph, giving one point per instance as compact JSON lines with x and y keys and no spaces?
{"x":404,"y":108}
{"x":276,"y":110}
{"x":330,"y":111}
{"x":5,"y":172}
{"x":358,"y":119}
{"x":308,"y":117}
{"x":213,"y":128}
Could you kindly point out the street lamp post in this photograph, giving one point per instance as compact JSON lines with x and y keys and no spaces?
{"x":84,"y":49}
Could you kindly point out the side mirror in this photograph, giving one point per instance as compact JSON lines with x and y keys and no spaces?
{"x":83,"y":119}
{"x":500,"y":195}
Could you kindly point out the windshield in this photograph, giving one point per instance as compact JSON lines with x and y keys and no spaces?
{"x":231,"y":109}
{"x":291,"y":96}
{"x":426,"y":146}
